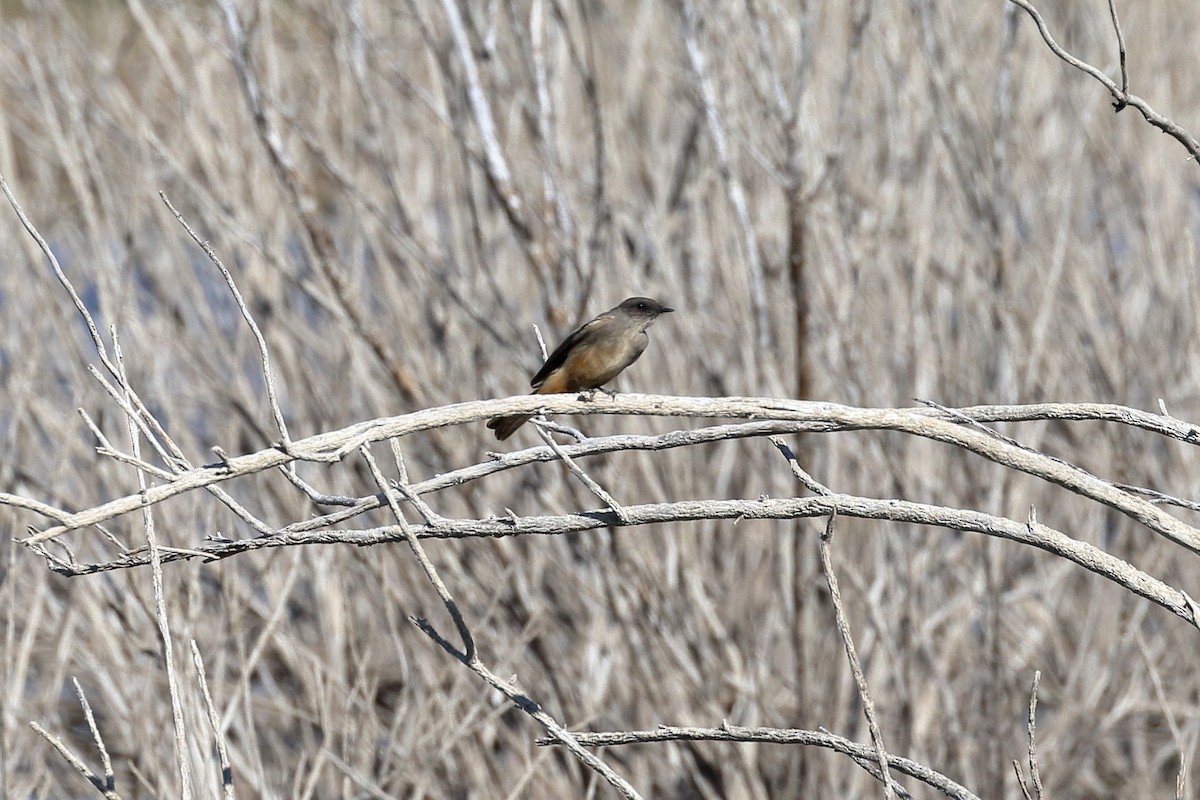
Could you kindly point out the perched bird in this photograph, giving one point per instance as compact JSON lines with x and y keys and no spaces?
{"x":591,"y":356}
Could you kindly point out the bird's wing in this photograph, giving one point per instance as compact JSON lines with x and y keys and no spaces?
{"x":559,"y":356}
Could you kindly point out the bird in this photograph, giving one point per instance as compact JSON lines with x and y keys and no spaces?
{"x":594,"y":354}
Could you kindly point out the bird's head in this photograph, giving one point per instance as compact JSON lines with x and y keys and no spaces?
{"x":643,"y":308}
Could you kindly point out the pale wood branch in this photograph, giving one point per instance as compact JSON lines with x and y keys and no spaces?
{"x":936,"y":424}
{"x":737,"y":733}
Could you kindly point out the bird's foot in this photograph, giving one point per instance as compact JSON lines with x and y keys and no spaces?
{"x":588,"y":395}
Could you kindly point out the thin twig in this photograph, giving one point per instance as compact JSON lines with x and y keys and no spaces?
{"x":427,"y":567}
{"x":263,"y":353}
{"x":585,"y":65}
{"x":304,"y":204}
{"x":499,"y":175}
{"x":1016,"y":765}
{"x":101,"y":349}
{"x":109,"y":790}
{"x":469,"y":657}
{"x":432,"y":518}
{"x":546,"y":125}
{"x":1112,"y":10}
{"x":1121,"y":96}
{"x":735,"y":733}
{"x":215,"y":721}
{"x":1034,"y":772}
{"x":76,"y":762}
{"x":587,"y":480}
{"x":860,"y":679}
{"x":801,"y":474}
{"x":160,"y":600}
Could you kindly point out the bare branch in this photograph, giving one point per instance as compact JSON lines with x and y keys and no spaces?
{"x":1112,"y":10}
{"x":320,"y":238}
{"x":427,"y":567}
{"x":108,"y":788}
{"x":579,"y":473}
{"x":83,"y":769}
{"x":929,"y":423}
{"x":736,"y":733}
{"x":160,"y":600}
{"x":1034,"y":773}
{"x":860,"y":680}
{"x":101,"y":349}
{"x":470,"y":658}
{"x":263,"y":353}
{"x":1031,"y":533}
{"x":1121,"y":96}
{"x":214,"y":720}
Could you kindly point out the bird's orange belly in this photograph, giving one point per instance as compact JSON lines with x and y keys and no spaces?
{"x":589,"y":369}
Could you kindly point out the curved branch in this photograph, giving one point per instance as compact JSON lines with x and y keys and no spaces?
{"x":944,"y":425}
{"x":1121,"y":96}
{"x":1032,"y":533}
{"x":736,"y":733}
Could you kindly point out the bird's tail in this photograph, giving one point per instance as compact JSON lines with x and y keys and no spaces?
{"x":507,"y":426}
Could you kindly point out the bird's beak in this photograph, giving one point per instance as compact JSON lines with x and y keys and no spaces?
{"x":666,"y":310}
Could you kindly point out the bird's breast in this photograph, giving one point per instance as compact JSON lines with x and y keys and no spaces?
{"x":595,"y":362}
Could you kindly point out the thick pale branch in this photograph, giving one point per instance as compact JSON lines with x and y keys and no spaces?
{"x":1032,"y":533}
{"x":29,"y":504}
{"x":930,"y":423}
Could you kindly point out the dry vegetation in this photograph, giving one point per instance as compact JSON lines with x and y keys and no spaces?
{"x":861,"y":203}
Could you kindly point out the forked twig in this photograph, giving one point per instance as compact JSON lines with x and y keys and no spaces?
{"x":1120,"y":94}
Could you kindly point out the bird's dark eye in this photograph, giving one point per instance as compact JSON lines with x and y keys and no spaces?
{"x":643,"y":306}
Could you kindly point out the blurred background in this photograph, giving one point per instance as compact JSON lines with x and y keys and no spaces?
{"x":865,"y":203}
